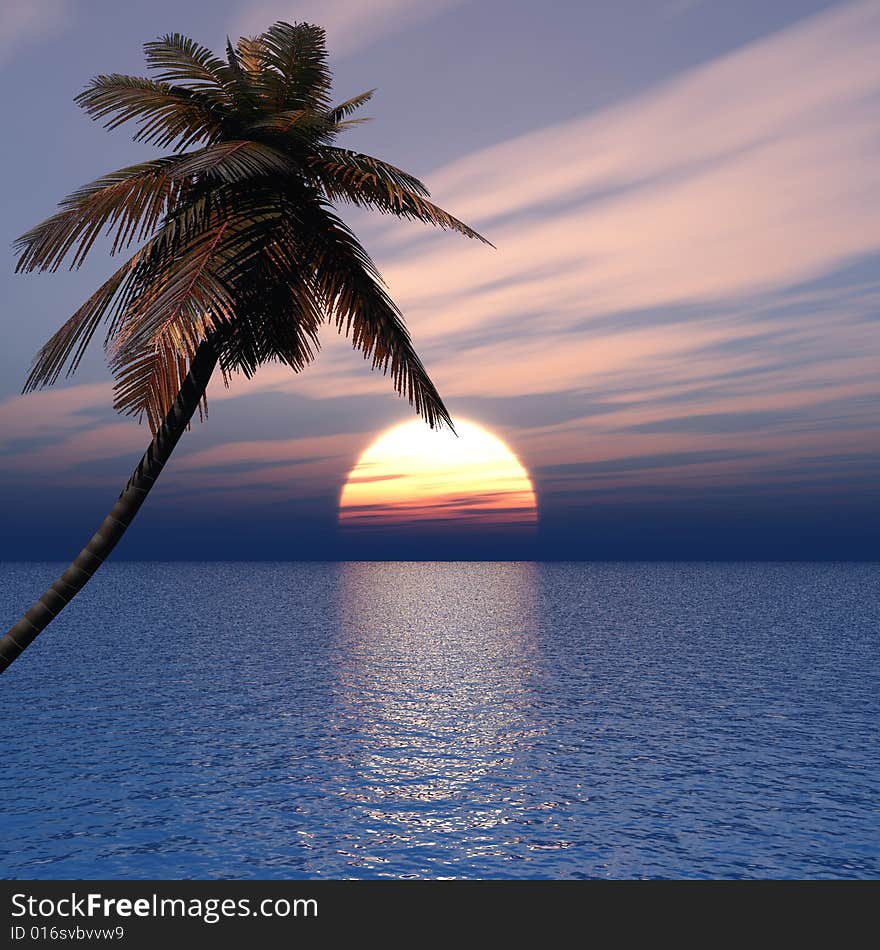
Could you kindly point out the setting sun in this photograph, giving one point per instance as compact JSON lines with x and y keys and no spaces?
{"x":415,"y":475}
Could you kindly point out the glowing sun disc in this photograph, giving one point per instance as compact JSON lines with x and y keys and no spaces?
{"x":415,"y":476}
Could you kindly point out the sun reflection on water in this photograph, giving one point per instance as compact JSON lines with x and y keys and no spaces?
{"x":435,"y":670}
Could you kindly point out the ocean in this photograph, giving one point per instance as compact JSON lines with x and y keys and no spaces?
{"x":445,"y":720}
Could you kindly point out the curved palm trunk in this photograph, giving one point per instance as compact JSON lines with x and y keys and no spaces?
{"x":93,"y":555}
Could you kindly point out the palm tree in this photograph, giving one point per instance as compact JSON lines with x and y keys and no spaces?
{"x":242,"y":256}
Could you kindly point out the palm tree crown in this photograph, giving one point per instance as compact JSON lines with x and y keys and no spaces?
{"x":241,"y":255}
{"x":240,"y":246}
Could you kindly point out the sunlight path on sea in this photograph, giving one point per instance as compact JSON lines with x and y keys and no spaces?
{"x":434,"y":683}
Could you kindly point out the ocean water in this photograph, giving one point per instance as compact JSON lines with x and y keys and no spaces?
{"x":445,"y":720}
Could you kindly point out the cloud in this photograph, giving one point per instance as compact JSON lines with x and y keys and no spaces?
{"x":639,"y":463}
{"x":754,"y":172}
{"x":268,"y":452}
{"x":97,"y":442}
{"x":51,"y":413}
{"x":351,"y":25}
{"x":22,"y":23}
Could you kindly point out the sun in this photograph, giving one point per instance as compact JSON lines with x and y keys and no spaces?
{"x":415,"y":476}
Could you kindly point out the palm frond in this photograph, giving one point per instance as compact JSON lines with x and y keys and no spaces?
{"x":297,"y":73}
{"x":279,"y":299}
{"x":233,"y":161}
{"x":160,"y":329}
{"x":68,"y":345}
{"x":136,"y":280}
{"x":356,"y":166}
{"x":236,"y":284}
{"x":345,"y":109}
{"x":131,"y":201}
{"x":350,"y":123}
{"x":247,"y":54}
{"x":180,"y":302}
{"x":349,"y":285}
{"x":302,"y":125}
{"x":245,"y":70}
{"x":362,"y":180}
{"x":178,"y":60}
{"x":149,"y":379}
{"x":279,"y":324}
{"x":304,"y":128}
{"x":167,"y":115}
{"x":191,"y":284}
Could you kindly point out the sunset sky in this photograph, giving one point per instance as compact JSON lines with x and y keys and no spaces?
{"x":677,"y":336}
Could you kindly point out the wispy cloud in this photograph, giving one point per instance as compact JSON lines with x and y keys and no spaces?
{"x":754,"y":172}
{"x":98,"y":442}
{"x":351,"y":25}
{"x":21,"y":23}
{"x":51,"y":412}
{"x":742,"y":178}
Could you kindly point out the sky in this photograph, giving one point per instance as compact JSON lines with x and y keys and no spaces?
{"x":677,"y":336}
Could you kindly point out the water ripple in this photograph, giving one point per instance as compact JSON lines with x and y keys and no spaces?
{"x":446,"y":720}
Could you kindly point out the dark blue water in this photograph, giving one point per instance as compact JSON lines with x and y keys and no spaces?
{"x":446,"y":720}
